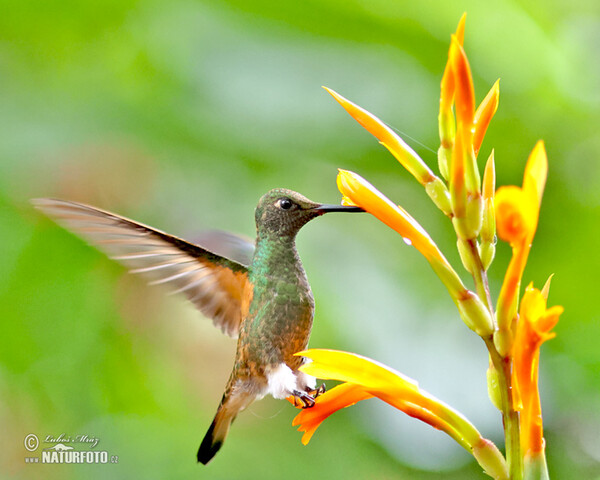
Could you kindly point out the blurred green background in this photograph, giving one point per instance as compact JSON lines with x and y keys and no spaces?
{"x":181,"y":115}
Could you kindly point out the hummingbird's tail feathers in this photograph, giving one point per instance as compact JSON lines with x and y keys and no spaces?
{"x":230,"y":406}
{"x":214,"y":438}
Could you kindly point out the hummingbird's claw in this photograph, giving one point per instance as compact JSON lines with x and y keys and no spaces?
{"x":303,"y":399}
{"x":317,"y":391}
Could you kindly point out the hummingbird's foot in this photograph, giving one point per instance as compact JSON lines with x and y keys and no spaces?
{"x":303,"y":399}
{"x":317,"y":391}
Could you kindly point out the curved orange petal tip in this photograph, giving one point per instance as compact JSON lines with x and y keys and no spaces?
{"x":447,"y":83}
{"x":362,"y":193}
{"x":465,"y":93}
{"x":398,"y":147}
{"x":460,"y":29}
{"x":341,"y":396}
{"x":484,"y":113}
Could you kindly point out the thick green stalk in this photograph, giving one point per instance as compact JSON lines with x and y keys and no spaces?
{"x":509,"y":414}
{"x":503,"y":366}
{"x":480,"y":277}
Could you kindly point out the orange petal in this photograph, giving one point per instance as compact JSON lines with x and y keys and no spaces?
{"x":388,"y":138}
{"x":448,"y":84}
{"x":339,"y":397}
{"x":533,"y":329}
{"x":465,"y":93}
{"x":484,"y":114}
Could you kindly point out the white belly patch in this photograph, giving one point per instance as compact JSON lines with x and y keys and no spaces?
{"x":282,"y":381}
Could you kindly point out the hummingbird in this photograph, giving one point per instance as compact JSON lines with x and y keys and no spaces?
{"x":261,"y":297}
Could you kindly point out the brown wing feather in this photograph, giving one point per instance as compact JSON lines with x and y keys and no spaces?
{"x":213,"y":283}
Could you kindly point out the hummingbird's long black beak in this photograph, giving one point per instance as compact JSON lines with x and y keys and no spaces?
{"x":337,"y":208}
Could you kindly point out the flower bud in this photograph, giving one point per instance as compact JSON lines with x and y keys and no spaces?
{"x":437,"y":191}
{"x":466,"y":255}
{"x":489,"y":457}
{"x":493,"y":387}
{"x":474,"y":313}
{"x":487,"y":251}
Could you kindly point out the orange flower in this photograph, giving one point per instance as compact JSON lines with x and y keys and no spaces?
{"x":366,"y":378}
{"x":533,"y":328}
{"x":517,"y":213}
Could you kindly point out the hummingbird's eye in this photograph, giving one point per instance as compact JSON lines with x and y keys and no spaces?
{"x":284,"y":203}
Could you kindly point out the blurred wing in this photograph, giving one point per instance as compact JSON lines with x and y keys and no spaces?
{"x":213,"y":283}
{"x":238,"y":248}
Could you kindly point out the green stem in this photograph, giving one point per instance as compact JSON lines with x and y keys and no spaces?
{"x":503,"y":367}
{"x":480,"y":277}
{"x":510,"y":416}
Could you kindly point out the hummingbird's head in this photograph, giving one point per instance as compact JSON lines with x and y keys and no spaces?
{"x":283,"y":212}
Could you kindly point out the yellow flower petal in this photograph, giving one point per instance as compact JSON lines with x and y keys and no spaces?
{"x":517,"y":214}
{"x":353,"y":368}
{"x":536,"y":172}
{"x":516,"y":217}
{"x":388,"y":138}
{"x":347,"y":202}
